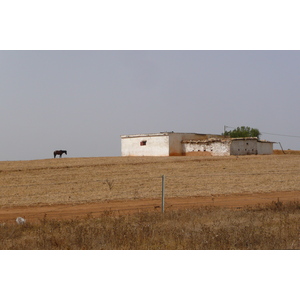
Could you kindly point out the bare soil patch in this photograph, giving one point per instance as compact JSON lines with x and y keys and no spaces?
{"x":119,"y":207}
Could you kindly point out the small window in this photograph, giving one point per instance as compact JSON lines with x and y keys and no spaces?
{"x":143,"y":143}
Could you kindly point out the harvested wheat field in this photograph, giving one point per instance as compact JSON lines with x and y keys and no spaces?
{"x":76,"y":187}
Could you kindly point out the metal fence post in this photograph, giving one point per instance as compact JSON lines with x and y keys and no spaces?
{"x":163,"y":194}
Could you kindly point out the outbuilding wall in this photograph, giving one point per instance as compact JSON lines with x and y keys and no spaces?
{"x":213,"y":148}
{"x":243,"y":147}
{"x":176,"y":146}
{"x":264,"y":148}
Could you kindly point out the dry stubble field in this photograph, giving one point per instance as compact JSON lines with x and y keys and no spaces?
{"x":77,"y":187}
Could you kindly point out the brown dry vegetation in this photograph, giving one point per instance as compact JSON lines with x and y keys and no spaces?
{"x":282,"y":152}
{"x":273,"y":226}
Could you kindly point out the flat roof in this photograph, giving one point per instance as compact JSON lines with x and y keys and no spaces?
{"x":212,"y":140}
{"x":160,"y":134}
{"x":144,"y":135}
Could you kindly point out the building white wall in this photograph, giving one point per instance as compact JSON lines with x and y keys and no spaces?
{"x":157,"y":145}
{"x":213,"y":148}
{"x":221,"y":148}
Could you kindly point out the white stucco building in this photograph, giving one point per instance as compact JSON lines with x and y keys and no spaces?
{"x":175,"y":143}
{"x":158,"y":144}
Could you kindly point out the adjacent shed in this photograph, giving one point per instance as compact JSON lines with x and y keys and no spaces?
{"x":227,"y":146}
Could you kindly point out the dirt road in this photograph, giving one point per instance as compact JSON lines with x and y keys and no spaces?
{"x":69,"y":211}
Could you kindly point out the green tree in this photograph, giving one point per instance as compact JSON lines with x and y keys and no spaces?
{"x":243,"y":131}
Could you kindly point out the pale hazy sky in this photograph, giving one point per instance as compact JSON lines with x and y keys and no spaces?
{"x":82,"y":101}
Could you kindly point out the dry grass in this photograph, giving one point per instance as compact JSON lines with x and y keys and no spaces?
{"x":274,"y":226}
{"x":81,"y":180}
{"x":280,"y":152}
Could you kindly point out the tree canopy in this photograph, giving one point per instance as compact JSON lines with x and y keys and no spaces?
{"x":243,"y":131}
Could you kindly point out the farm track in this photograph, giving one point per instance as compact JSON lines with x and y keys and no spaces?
{"x":80,"y":187}
{"x":71,"y":211}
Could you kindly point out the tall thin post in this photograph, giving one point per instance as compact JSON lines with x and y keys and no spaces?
{"x":163,"y":194}
{"x":281,"y":147}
